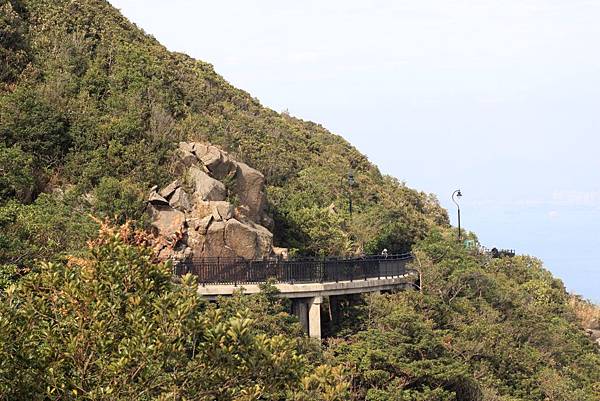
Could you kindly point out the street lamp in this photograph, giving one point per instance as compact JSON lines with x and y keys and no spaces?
{"x":455,"y":196}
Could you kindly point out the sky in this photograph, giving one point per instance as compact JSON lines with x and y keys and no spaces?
{"x":498,"y":98}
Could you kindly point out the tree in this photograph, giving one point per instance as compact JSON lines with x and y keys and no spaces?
{"x":45,"y":230}
{"x":37,"y":127}
{"x":14,"y":46}
{"x":398,"y":355}
{"x":16,"y":175}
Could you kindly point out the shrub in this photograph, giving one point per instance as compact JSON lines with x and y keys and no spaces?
{"x":118,"y":200}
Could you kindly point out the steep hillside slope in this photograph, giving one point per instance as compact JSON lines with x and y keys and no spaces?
{"x":90,"y":102}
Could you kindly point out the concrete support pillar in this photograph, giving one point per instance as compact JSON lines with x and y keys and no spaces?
{"x":335,"y":308}
{"x":314,"y":317}
{"x":300,"y":310}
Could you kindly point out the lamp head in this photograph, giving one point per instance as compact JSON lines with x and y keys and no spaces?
{"x":459,"y":194}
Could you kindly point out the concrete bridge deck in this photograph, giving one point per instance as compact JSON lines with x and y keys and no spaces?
{"x":307,"y":290}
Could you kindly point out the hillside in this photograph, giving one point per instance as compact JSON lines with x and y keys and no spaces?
{"x":91,"y":113}
{"x":91,"y":103}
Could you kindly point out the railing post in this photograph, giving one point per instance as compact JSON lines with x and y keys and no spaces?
{"x":321,"y":271}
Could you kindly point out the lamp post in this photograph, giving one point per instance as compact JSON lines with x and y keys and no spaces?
{"x":455,"y":196}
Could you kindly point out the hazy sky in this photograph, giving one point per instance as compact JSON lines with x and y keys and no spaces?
{"x":498,"y":98}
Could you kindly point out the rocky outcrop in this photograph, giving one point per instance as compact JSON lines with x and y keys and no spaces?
{"x":595,"y":334}
{"x":216,"y":208}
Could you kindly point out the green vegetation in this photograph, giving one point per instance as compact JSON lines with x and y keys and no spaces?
{"x":48,"y":229}
{"x":114,"y":326}
{"x":481,"y":329}
{"x":98,"y":102}
{"x":91,"y":110}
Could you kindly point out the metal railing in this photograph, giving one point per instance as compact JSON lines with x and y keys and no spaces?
{"x":240,"y":271}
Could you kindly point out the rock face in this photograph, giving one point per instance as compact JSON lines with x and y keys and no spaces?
{"x":215,"y":209}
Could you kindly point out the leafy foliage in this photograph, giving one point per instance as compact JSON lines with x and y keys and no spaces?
{"x":14,"y":46}
{"x":481,"y":329}
{"x":36,"y":126}
{"x":113,"y":325}
{"x":118,"y":200}
{"x":16,"y":174}
{"x":44,"y":230}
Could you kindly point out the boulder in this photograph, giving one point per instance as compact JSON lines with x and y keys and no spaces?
{"x":156,"y":199}
{"x":196,"y":234}
{"x":216,"y":161}
{"x":281,"y":253}
{"x":200,"y":209}
{"x":218,"y":210}
{"x":248,"y":242}
{"x":211,"y":243}
{"x":167,"y":191}
{"x":214,"y":244}
{"x":180,"y":200}
{"x":201,"y":225}
{"x":166,"y":220}
{"x":264,"y":242}
{"x":250,"y":188}
{"x":186,"y":155}
{"x":205,"y":187}
{"x":221,"y":210}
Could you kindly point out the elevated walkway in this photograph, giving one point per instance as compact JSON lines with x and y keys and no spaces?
{"x":306,"y":282}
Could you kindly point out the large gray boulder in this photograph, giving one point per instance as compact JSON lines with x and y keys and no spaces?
{"x":206,"y":188}
{"x":222,"y":211}
{"x":185,"y":156}
{"x":214,"y":244}
{"x":248,"y":241}
{"x":167,"y":191}
{"x":250,"y":188}
{"x":180,"y":200}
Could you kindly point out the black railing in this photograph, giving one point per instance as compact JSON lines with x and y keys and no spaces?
{"x":240,"y":271}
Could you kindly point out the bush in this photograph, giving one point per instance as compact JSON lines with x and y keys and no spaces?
{"x":14,"y":46}
{"x":28,"y":121}
{"x":16,"y":174}
{"x":118,"y":200}
{"x":45,"y":230}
